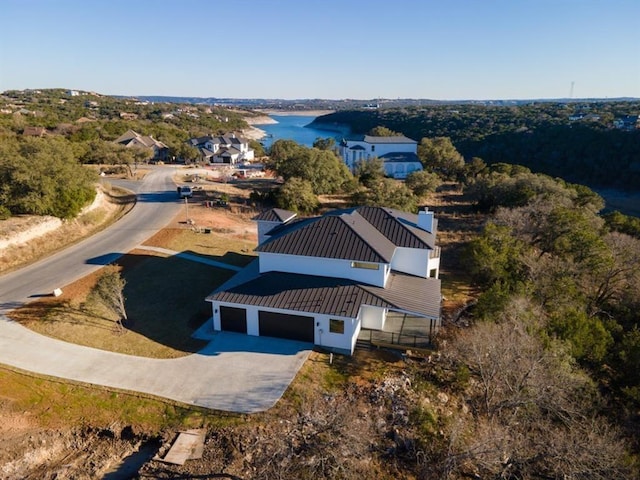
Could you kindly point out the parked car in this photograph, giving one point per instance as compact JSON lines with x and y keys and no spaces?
{"x":185,"y":191}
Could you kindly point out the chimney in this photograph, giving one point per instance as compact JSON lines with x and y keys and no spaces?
{"x":425,"y":220}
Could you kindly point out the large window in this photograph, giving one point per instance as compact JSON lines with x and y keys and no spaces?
{"x":368,"y":266}
{"x":336,"y":326}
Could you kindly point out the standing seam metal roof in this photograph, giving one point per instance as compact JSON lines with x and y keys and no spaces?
{"x":348,"y":237}
{"x":334,"y":296}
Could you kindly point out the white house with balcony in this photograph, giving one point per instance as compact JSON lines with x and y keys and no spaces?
{"x":322,"y":279}
{"x":399,"y":153}
{"x":223,"y":149}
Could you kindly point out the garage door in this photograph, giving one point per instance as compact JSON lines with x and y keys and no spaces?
{"x":233,"y":319}
{"x":282,"y":325}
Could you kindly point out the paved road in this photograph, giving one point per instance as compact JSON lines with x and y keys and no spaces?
{"x":157,"y":205}
{"x":234,"y":372}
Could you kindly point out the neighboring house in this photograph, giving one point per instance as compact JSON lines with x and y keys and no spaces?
{"x":322,"y":279}
{"x":224,"y":149}
{"x":628,"y":122}
{"x":399,"y":154}
{"x":133,"y":139}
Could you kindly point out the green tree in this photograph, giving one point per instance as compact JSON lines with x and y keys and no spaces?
{"x":297,"y":195}
{"x":370,"y":172}
{"x":439,"y":155}
{"x":386,"y":193}
{"x":328,"y":143}
{"x":421,"y":182}
{"x":40,"y":176}
{"x":381,"y":131}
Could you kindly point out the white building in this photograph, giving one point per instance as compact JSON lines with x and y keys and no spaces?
{"x":322,"y":279}
{"x":224,"y":149}
{"x":399,"y":154}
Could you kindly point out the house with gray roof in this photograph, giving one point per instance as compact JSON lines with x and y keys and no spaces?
{"x":398,"y":153}
{"x":132,"y":138}
{"x":322,"y":279}
{"x":223,"y":149}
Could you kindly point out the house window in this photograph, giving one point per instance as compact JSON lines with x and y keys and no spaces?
{"x":373,"y":148}
{"x":367,"y":266}
{"x":433,"y":272}
{"x":336,"y":326}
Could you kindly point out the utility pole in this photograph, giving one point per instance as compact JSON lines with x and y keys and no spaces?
{"x":186,"y":204}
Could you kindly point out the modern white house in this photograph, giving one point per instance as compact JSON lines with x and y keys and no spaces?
{"x":322,"y":279}
{"x":223,"y":149}
{"x":399,"y":153}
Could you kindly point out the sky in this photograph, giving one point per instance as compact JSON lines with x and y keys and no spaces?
{"x":330,"y":49}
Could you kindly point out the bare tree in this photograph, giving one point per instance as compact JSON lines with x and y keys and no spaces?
{"x":109,"y":291}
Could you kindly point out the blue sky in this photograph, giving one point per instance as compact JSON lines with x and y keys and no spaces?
{"x":444,"y":49}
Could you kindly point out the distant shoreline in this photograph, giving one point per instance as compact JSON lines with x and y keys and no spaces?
{"x":299,"y":113}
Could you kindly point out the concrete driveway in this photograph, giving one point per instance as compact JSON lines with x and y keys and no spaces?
{"x":234,"y":372}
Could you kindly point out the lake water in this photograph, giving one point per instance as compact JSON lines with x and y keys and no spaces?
{"x":293,"y":127}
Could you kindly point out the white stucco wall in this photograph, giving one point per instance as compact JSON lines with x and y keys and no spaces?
{"x":341,"y":342}
{"x":372,"y":317}
{"x":413,"y":261}
{"x":326,"y":267}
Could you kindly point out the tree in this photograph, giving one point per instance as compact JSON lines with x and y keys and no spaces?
{"x":326,"y":172}
{"x":297,"y":195}
{"x":422,"y":182}
{"x":41,"y":176}
{"x":109,"y":291}
{"x":328,"y":143}
{"x":381,"y":131}
{"x":386,"y":193}
{"x":370,"y":172}
{"x":439,"y":155}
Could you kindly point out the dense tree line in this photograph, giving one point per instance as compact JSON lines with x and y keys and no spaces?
{"x":43,"y":177}
{"x":540,"y":136}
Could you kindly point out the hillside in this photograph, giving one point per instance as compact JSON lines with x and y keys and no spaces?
{"x":575,"y":141}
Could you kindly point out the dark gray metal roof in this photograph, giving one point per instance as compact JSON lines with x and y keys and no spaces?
{"x":334,"y":296}
{"x":346,"y":236}
{"x":400,"y":228}
{"x":381,"y":140}
{"x":275,"y":215}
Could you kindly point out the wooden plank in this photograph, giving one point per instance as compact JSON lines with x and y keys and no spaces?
{"x":188,"y":445}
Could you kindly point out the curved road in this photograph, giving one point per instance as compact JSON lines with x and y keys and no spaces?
{"x":157,"y":205}
{"x":233,"y":372}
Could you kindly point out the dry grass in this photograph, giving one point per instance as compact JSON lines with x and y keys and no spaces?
{"x":457,"y":224}
{"x":164,"y":302}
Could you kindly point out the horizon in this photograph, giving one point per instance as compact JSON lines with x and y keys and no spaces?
{"x":356,"y":50}
{"x":310,"y":99}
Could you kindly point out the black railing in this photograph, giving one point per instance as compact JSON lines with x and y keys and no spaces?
{"x":393,"y":338}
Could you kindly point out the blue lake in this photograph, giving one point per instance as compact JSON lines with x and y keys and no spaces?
{"x":293,"y":127}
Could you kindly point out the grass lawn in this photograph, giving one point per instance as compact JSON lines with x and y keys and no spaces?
{"x":164,"y":303}
{"x":215,"y":246}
